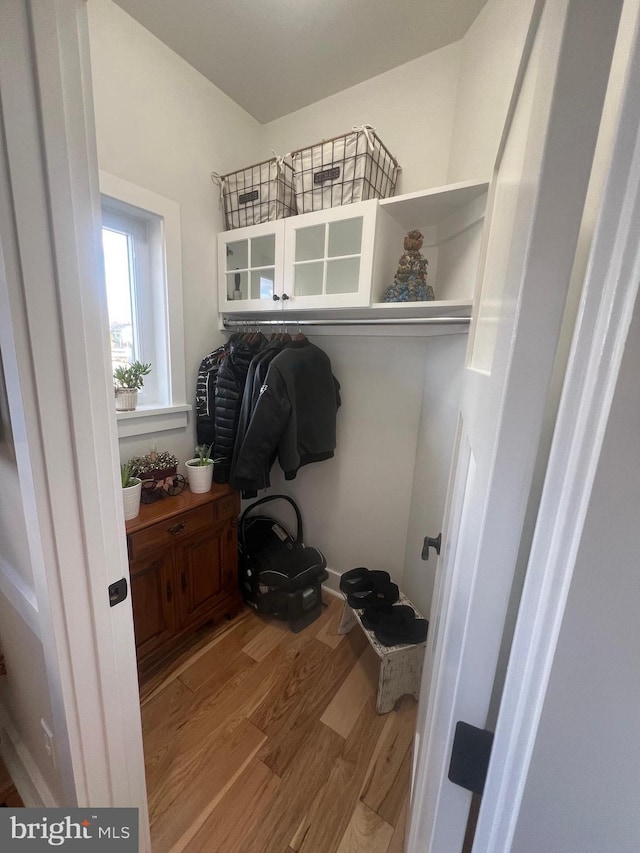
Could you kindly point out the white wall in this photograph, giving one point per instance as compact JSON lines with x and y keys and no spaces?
{"x":358,"y":508}
{"x":355,"y":507}
{"x":581,"y":793}
{"x":411,"y":107}
{"x":489,"y":56}
{"x":163,"y":126}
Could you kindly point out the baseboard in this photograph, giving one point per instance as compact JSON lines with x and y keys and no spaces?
{"x":332,"y":584}
{"x":24,"y":772}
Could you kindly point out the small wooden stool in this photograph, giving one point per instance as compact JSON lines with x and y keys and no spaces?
{"x":400,"y":666}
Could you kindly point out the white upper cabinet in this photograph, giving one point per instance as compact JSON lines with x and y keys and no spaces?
{"x":328,"y":257}
{"x":346,"y":257}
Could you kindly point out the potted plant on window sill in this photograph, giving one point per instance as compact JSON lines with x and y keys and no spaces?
{"x":128,"y":381}
{"x":200,"y":470}
{"x":131,"y":492}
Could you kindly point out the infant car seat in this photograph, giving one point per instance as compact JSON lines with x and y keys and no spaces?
{"x":279,"y":575}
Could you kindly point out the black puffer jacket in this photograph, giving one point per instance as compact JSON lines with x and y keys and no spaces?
{"x":205,"y":395}
{"x":230,"y":382}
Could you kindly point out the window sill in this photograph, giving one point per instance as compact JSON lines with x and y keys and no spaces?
{"x":150,"y":419}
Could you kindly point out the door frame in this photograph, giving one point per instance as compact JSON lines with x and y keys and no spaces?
{"x":608,"y":303}
{"x":59,"y":373}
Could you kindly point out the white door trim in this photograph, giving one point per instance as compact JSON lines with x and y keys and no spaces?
{"x":608,"y":302}
{"x":58,"y":322}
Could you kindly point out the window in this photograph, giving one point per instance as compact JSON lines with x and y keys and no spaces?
{"x":141,"y":243}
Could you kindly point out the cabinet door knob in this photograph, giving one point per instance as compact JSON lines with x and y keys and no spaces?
{"x":275,"y":297}
{"x":284,"y":296}
{"x":177,"y":528}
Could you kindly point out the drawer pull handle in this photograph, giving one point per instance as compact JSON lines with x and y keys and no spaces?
{"x":169,"y":591}
{"x":177,"y":528}
{"x":184,"y":581}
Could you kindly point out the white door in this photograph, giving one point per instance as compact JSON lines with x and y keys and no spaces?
{"x":54,"y":347}
{"x":534,"y":214}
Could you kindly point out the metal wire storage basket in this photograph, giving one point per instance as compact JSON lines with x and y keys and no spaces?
{"x":353,"y":167}
{"x":259,"y":193}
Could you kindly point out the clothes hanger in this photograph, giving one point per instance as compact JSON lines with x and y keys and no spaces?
{"x":300,"y":336}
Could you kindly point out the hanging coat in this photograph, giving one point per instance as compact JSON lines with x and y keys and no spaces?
{"x":230,"y":383}
{"x":295,"y":416}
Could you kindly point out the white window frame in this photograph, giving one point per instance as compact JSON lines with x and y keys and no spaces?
{"x":164,"y":331}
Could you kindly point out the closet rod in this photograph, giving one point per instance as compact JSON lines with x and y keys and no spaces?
{"x":377,"y":321}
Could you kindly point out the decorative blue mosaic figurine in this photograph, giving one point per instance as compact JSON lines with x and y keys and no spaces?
{"x":410,"y":280}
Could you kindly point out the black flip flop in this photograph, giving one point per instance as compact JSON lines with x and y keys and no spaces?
{"x":398,"y":629}
{"x":354,"y":580}
{"x":372,"y":615}
{"x":361,"y":579}
{"x":384,"y":593}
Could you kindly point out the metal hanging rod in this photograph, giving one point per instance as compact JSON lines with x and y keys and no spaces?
{"x":376,"y":321}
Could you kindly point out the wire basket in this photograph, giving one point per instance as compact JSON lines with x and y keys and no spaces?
{"x":259,"y":193}
{"x":346,"y":169}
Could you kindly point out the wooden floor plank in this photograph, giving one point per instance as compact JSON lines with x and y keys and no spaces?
{"x":265,"y":641}
{"x":197,"y":792}
{"x":302,"y":780}
{"x":328,"y":632}
{"x":175,"y":706}
{"x":329,"y":814}
{"x":210,"y":662}
{"x":237,"y":813}
{"x":366,"y":832}
{"x":169,"y":668}
{"x":396,"y":845}
{"x":360,"y":684}
{"x":292,"y":707}
{"x":383,"y":789}
{"x":187,"y":750}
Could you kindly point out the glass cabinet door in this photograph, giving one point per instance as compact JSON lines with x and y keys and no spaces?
{"x":250,"y":262}
{"x":328,"y":257}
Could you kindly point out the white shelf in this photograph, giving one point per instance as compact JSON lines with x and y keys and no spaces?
{"x":430,"y":207}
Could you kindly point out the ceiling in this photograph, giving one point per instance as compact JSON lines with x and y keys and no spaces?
{"x":275,"y":56}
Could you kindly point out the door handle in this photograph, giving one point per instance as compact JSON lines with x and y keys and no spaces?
{"x":430,"y":542}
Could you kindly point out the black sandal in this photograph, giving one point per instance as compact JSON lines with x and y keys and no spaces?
{"x":400,"y":628}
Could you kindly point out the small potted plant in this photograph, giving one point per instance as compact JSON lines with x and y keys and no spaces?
{"x":200,"y":469}
{"x":128,"y":381}
{"x":131,"y":492}
{"x":158,"y":472}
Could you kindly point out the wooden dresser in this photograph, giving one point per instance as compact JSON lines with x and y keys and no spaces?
{"x":183,"y":565}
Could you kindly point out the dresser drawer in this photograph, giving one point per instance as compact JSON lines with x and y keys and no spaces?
{"x":228,"y":507}
{"x":165,"y":533}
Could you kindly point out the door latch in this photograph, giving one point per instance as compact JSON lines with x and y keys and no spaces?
{"x":430,"y":542}
{"x":117,"y":592}
{"x":470,"y":756}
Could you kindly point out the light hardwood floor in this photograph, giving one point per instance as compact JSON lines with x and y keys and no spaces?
{"x":265,"y":741}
